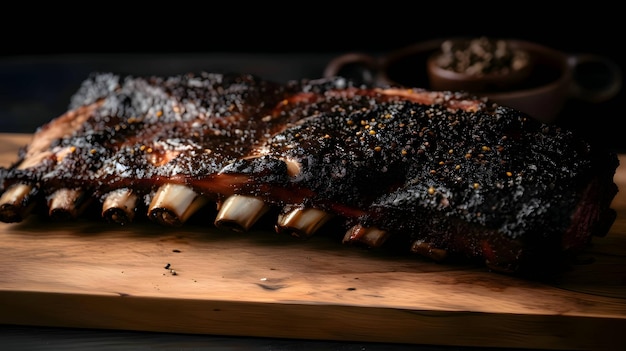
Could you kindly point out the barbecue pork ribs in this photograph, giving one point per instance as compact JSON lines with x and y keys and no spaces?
{"x":445,"y":174}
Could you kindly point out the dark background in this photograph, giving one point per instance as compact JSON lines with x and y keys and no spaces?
{"x":47,"y":52}
{"x":303,"y":27}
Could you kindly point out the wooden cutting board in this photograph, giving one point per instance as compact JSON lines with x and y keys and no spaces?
{"x":197,"y":279}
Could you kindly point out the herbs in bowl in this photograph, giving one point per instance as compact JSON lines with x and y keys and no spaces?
{"x":478,"y":65}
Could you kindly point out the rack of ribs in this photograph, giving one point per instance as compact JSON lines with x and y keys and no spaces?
{"x":441,"y":174}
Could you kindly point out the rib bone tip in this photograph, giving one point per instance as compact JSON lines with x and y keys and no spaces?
{"x":119,"y":206}
{"x":302,"y":222}
{"x":368,"y":236}
{"x":173,"y":204}
{"x":165,"y":217}
{"x":425,"y":249}
{"x":240,"y":212}
{"x":10,"y":213}
{"x":117,"y":215}
{"x":66,"y":204}
{"x":15,"y":203}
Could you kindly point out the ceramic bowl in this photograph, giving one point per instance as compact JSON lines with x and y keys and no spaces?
{"x":553,"y":77}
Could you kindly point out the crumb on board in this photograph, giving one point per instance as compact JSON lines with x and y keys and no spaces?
{"x":172,"y":271}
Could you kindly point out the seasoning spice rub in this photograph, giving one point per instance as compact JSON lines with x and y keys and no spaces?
{"x":441,"y":174}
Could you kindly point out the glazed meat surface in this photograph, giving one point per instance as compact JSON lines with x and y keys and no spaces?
{"x":440,"y":174}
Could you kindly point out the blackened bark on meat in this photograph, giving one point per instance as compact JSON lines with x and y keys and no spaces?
{"x":487,"y":183}
{"x":442,"y":173}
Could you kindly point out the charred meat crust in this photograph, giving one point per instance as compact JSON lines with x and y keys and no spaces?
{"x":443,"y":172}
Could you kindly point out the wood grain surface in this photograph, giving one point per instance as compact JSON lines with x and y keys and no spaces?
{"x":198,"y":279}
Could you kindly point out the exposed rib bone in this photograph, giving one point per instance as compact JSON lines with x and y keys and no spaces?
{"x":173,"y":204}
{"x":369,"y":236}
{"x":302,"y":222}
{"x":119,"y":206}
{"x":293,"y":167}
{"x":428,"y":250}
{"x":240,"y":212}
{"x":15,"y":204}
{"x":65,"y":204}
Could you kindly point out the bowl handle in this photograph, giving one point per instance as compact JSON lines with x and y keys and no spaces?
{"x":595,"y":78}
{"x":357,"y":66}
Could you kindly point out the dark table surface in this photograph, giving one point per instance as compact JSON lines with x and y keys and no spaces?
{"x":48,"y":338}
{"x":36,"y":88}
